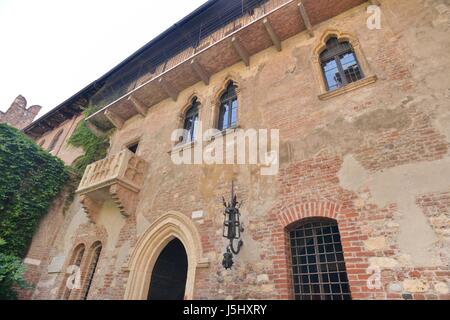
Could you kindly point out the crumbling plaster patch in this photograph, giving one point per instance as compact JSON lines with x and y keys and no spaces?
{"x":402,"y":185}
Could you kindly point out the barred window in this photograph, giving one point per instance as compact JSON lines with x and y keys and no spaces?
{"x":228,"y":108}
{"x":339,"y":64}
{"x":318,"y":266}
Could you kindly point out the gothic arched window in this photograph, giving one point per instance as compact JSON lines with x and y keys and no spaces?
{"x":339,"y":64}
{"x":191,"y":120}
{"x":228,"y":108}
{"x":55,"y":140}
{"x":318,"y":266}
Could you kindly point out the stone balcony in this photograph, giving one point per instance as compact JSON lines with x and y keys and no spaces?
{"x":119,"y":177}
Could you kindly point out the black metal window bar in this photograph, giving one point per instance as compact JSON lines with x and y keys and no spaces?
{"x":91,"y":270}
{"x":318,"y":266}
{"x":339,"y":64}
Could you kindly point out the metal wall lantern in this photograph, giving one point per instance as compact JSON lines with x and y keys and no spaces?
{"x":232,"y":229}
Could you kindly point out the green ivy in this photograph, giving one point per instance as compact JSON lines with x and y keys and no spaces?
{"x":11,"y":274}
{"x":95,"y":148}
{"x":30,"y":179}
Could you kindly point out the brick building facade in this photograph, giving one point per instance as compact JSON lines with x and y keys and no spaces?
{"x":359,"y":207}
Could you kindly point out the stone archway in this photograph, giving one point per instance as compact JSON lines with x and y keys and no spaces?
{"x":171,"y":226}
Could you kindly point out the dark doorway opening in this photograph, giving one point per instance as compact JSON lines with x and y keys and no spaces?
{"x":133,"y":147}
{"x":170,"y":273}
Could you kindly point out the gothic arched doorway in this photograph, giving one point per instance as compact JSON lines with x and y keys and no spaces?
{"x":169,"y":275}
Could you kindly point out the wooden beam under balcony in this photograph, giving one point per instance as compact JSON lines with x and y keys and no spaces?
{"x":168,"y":88}
{"x":305,"y":18}
{"x":139,"y":106}
{"x":241,"y":51}
{"x":115,"y":119}
{"x":272,"y":34}
{"x":200,"y":71}
{"x":286,"y":18}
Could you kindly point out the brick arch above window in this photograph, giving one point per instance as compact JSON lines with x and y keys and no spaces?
{"x":321,"y":46}
{"x":317,"y":209}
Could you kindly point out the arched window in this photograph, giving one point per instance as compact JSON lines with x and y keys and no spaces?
{"x":191,"y":120}
{"x":74,"y":269}
{"x":228,"y":108}
{"x":55,"y":140}
{"x":95,"y":255}
{"x":318,"y":266}
{"x":339,"y":64}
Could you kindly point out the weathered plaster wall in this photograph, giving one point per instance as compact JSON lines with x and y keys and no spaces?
{"x":375,"y":159}
{"x":62,"y":149}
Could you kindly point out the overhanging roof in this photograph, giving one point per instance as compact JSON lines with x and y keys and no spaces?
{"x":192,"y":53}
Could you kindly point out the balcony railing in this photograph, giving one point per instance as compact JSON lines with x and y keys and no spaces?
{"x":213,"y":49}
{"x":120,"y":176}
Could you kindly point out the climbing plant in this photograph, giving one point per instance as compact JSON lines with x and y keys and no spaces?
{"x":95,"y":148}
{"x":11,"y":274}
{"x":30,"y":179}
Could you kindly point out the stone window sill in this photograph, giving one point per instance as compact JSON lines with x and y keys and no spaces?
{"x":350,"y":87}
{"x":223,"y":133}
{"x":184,"y":146}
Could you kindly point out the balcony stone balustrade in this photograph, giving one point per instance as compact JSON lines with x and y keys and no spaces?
{"x":119,"y":177}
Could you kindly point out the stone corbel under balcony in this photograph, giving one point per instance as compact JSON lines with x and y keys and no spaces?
{"x":118,"y":178}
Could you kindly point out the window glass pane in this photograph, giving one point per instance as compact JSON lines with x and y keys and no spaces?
{"x":332,"y":76}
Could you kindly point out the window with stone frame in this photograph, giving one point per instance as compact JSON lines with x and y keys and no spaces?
{"x":90,"y":273}
{"x":339,"y":64}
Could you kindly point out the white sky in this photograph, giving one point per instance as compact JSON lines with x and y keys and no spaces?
{"x":51,"y":49}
